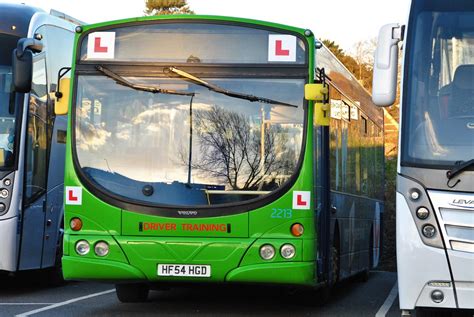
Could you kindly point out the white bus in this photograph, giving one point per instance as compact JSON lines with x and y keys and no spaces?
{"x":435,"y":181}
{"x":34,"y":45}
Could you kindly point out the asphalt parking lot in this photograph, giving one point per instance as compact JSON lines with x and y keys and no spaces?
{"x":20,"y":296}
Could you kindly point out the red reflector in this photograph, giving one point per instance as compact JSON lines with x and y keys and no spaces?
{"x":75,"y":224}
{"x":297,"y":229}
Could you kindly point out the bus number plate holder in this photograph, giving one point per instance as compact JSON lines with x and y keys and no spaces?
{"x":184,"y":270}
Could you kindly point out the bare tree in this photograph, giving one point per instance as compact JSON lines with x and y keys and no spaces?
{"x":231,"y":148}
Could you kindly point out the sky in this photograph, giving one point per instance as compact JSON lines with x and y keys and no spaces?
{"x":344,"y":21}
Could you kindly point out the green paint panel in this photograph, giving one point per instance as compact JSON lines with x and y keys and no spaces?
{"x":297,"y":273}
{"x":76,"y":268}
{"x":97,"y":216}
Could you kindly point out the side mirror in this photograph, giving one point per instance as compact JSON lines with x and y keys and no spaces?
{"x":61,"y":103}
{"x":384,"y":84}
{"x":23,"y":63}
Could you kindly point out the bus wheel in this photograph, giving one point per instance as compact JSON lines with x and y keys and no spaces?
{"x":334,"y":278}
{"x":54,"y":275}
{"x":364,"y":275}
{"x":132,"y":293}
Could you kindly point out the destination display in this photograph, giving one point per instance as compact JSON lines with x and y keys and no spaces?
{"x":197,"y":43}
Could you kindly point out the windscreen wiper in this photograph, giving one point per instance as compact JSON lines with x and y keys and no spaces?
{"x":155,"y":90}
{"x":226,"y":92}
{"x":461,"y":166}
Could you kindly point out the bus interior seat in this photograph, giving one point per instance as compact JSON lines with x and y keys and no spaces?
{"x":461,"y":101}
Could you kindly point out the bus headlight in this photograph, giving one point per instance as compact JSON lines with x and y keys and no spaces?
{"x":101,"y":248}
{"x":82,"y":247}
{"x":288,"y":251}
{"x":267,"y":252}
{"x":4,"y":193}
{"x":429,"y":231}
{"x":422,"y":213}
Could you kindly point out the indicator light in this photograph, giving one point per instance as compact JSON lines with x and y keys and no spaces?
{"x":415,"y":194}
{"x":75,"y":224}
{"x":297,"y":229}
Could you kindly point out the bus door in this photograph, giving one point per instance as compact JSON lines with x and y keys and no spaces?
{"x":55,"y":190}
{"x":35,"y":173}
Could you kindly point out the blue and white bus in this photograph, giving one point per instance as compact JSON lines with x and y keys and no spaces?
{"x":435,"y":181}
{"x":34,"y":45}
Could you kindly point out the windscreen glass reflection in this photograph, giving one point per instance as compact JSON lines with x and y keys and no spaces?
{"x":208,"y":149}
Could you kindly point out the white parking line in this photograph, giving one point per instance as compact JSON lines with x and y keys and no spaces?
{"x":383,"y":310}
{"x":39,"y":310}
{"x":20,"y":304}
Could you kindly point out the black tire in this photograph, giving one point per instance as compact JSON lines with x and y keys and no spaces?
{"x":319,"y":297}
{"x":312,"y":297}
{"x":54,"y":275}
{"x":364,"y":275}
{"x":132,"y":293}
{"x":430,"y":312}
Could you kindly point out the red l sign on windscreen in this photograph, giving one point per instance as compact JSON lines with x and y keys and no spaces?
{"x":279,"y":51}
{"x":281,"y":48}
{"x":101,"y":45}
{"x":97,"y":46}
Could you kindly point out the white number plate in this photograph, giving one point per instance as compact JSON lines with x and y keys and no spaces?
{"x":184,"y":270}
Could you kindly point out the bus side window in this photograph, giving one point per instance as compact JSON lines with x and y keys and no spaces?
{"x":37,"y":141}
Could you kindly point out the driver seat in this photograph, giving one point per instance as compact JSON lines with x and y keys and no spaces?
{"x":462,"y":94}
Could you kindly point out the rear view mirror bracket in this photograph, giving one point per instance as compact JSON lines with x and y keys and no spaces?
{"x":61,"y":73}
{"x":23,"y":63}
{"x":28,"y":44}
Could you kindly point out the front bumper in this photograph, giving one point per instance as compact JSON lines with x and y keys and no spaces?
{"x":231,"y":260}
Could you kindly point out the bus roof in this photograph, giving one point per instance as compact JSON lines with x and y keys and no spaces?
{"x":15,"y":18}
{"x":195,"y":17}
{"x":20,"y":19}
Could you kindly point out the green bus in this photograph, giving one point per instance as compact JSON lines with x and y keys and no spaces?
{"x":204,"y":149}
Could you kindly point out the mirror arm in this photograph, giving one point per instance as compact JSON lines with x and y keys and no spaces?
{"x":28,"y":43}
{"x":61,"y":73}
{"x":321,"y":79}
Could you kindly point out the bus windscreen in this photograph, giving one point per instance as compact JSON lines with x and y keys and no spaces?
{"x":7,"y":115}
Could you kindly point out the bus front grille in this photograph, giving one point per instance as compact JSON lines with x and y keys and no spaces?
{"x":455,"y":213}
